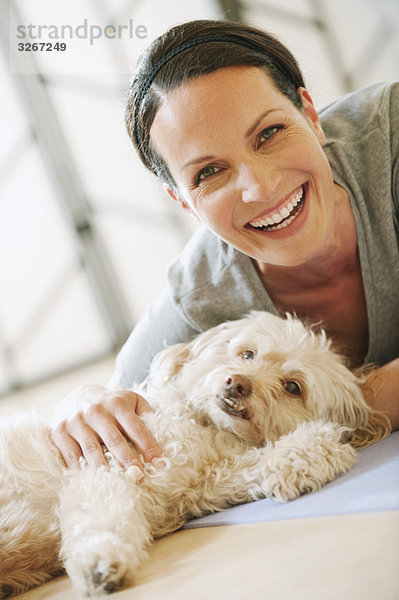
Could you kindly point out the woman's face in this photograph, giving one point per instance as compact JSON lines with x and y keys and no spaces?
{"x":249,"y":164}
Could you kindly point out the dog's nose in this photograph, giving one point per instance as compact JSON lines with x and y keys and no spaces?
{"x":237,"y":386}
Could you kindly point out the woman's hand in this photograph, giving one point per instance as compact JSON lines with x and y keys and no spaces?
{"x":92,"y":416}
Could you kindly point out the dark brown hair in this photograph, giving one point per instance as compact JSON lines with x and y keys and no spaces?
{"x":169,"y":63}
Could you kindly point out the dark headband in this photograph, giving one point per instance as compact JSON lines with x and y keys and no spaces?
{"x":185,"y":46}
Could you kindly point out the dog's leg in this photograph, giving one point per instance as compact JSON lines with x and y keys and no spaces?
{"x":104,"y":530}
{"x":30,"y":470}
{"x":306,"y":459}
{"x":29,"y":543}
{"x":300,"y":462}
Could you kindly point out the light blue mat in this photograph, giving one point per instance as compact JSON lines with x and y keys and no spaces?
{"x":371,"y":485}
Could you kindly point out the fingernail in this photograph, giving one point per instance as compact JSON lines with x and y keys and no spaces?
{"x":158,"y":463}
{"x":136,"y":473}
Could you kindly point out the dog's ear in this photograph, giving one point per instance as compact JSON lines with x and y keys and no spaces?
{"x":168,"y":363}
{"x":378,"y":425}
{"x":378,"y":428}
{"x":367,"y":425}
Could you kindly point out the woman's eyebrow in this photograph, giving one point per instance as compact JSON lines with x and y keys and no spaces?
{"x":195,"y":161}
{"x":259,"y":119}
{"x":250,"y":131}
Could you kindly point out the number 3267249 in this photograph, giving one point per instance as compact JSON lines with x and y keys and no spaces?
{"x":42,"y":47}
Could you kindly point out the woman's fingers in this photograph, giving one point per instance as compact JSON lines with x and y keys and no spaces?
{"x":142,"y":405}
{"x":88,"y":440}
{"x":108,"y":429}
{"x":127,"y":408}
{"x":74,"y":438}
{"x":68,"y":447}
{"x":136,"y":431}
{"x":109,"y":418}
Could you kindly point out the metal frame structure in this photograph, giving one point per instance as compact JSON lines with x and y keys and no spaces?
{"x":46,"y":132}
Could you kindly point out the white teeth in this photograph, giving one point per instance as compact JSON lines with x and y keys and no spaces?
{"x":233,"y":405}
{"x":275,"y":219}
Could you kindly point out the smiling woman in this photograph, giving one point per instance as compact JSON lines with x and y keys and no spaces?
{"x":301,"y":213}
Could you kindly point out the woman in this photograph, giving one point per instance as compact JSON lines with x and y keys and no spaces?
{"x":301,"y":215}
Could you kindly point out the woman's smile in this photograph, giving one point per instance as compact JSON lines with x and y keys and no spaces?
{"x":280,"y":216}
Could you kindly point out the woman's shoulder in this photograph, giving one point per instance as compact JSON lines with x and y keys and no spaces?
{"x":362,"y":143}
{"x":202,"y":262}
{"x":353,"y":114}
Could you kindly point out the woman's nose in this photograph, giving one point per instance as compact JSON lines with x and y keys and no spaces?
{"x":258,"y":183}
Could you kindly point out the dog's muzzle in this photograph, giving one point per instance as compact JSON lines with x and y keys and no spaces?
{"x":236,"y":390}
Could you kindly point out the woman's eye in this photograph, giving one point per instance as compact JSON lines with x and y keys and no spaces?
{"x":268,"y":133}
{"x":292,"y":388}
{"x":205,"y":173}
{"x":248,"y":355}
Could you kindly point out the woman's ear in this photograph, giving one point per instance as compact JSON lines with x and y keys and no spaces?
{"x":311,"y":114}
{"x":175,"y":196}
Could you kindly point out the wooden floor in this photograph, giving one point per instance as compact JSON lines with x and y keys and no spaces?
{"x":351,"y":557}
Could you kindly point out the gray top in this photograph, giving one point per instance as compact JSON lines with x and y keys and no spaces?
{"x":211,"y":281}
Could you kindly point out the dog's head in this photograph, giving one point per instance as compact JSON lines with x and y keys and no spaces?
{"x":261,"y":376}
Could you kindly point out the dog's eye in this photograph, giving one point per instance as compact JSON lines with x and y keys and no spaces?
{"x":292,"y":388}
{"x":248,"y":355}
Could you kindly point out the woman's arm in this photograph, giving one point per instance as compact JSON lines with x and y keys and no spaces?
{"x":381,"y":391}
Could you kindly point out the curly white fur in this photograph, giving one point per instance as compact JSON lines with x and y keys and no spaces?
{"x":259,"y":407}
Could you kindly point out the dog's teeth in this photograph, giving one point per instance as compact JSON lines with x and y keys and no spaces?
{"x":233,"y":404}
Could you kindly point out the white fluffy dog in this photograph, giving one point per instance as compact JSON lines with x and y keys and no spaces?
{"x":254,"y":408}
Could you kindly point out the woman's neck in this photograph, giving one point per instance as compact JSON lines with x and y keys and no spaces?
{"x":320,"y":273}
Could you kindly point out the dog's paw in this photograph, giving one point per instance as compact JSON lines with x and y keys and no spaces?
{"x":305,"y":460}
{"x":105,"y":578}
{"x":283,"y":487}
{"x":99,"y":576}
{"x":103,"y":565}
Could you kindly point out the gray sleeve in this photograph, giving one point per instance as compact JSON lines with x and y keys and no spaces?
{"x":394,"y":134}
{"x":162,"y":325}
